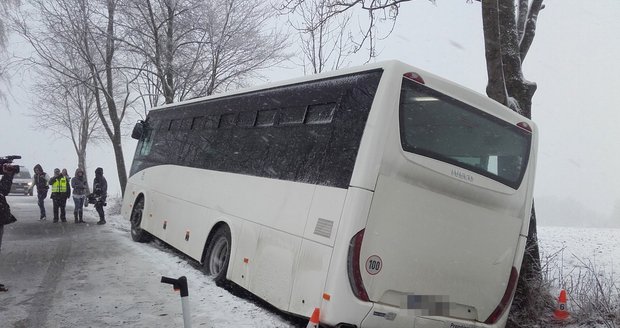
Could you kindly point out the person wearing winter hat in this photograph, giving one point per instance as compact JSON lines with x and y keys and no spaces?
{"x":40,"y":180}
{"x":80,"y":188}
{"x":100,"y":190}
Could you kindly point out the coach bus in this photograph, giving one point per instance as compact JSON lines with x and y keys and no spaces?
{"x":384,"y":195}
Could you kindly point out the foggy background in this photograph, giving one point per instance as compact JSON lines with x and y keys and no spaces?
{"x":572,"y":59}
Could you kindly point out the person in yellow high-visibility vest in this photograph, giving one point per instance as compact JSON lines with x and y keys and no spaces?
{"x":60,"y":192}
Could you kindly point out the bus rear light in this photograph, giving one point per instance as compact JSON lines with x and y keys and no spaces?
{"x":353,"y":267}
{"x":414,"y":77}
{"x":525,"y":126}
{"x":503,"y":304}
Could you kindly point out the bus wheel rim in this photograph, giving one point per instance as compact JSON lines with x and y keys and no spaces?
{"x":219,"y":256}
{"x":136,"y":219}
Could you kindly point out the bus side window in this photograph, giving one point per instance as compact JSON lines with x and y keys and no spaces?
{"x":292,"y":115}
{"x":175,"y":125}
{"x":212,"y":122}
{"x":320,"y":114}
{"x":266,"y":117}
{"x":228,"y":120}
{"x":247,"y":119}
{"x":198,"y":122}
{"x":186,"y":123}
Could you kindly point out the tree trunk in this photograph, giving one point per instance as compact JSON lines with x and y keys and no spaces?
{"x":504,"y":49}
{"x":115,"y":118}
{"x":496,"y":89}
{"x":120,"y":162}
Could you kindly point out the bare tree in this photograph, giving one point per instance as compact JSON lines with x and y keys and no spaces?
{"x":87,"y":29}
{"x":509,"y":27}
{"x":5,"y":7}
{"x":192,"y":48}
{"x":174,"y":49}
{"x":67,"y":108}
{"x":378,"y":11}
{"x":325,"y":41}
{"x":238,"y":45}
{"x":99,"y":49}
{"x":65,"y":102}
{"x":167,"y":42}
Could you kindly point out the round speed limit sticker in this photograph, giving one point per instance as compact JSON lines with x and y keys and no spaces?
{"x":374,"y":265}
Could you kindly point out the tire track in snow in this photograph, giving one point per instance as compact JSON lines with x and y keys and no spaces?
{"x":43,"y":299}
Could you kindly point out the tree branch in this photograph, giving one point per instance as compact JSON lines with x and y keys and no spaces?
{"x":530,"y":27}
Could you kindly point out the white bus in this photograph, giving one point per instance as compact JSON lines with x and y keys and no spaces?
{"x":383,"y":195}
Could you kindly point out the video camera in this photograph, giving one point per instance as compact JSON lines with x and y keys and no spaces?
{"x":94,"y":199}
{"x":8,"y":160}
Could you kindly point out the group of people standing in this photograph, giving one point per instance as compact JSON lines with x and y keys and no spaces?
{"x":62,"y":186}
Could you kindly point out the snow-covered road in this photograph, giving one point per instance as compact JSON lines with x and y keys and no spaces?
{"x":85,"y":275}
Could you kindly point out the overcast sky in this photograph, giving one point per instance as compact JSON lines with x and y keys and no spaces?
{"x":573,"y":61}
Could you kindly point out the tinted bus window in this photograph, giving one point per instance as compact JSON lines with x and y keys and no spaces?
{"x":440,"y":127}
{"x":266,"y":117}
{"x":320,"y":114}
{"x":314,"y":138}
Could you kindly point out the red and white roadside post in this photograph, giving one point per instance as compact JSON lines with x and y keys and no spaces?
{"x":181,"y":285}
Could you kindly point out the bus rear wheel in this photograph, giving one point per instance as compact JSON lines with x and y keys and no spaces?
{"x":137,"y":233}
{"x":216,"y":259}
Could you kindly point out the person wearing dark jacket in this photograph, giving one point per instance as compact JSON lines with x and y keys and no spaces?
{"x":5,"y":188}
{"x":100,"y":191}
{"x":61,"y":190}
{"x":40,"y":180}
{"x":80,"y":188}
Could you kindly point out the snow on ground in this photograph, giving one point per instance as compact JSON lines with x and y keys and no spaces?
{"x":575,"y":247}
{"x":571,"y":257}
{"x":569,"y":247}
{"x":220,"y":303}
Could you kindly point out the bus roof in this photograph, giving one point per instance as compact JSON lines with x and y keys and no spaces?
{"x":448,"y":87}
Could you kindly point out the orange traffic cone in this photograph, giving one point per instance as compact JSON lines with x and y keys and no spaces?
{"x":314,"y":319}
{"x":561,"y":313}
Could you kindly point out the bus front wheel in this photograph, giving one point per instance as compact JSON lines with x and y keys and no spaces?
{"x":137,"y":233}
{"x":216,"y":259}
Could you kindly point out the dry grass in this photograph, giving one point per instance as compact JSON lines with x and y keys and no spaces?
{"x":114,"y":206}
{"x":593,"y":295}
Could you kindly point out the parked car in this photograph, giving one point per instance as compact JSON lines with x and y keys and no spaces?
{"x":21,"y":182}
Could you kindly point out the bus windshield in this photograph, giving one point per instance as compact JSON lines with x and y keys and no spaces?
{"x":440,"y":127}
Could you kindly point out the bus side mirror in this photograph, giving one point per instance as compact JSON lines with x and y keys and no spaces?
{"x":138,"y":130}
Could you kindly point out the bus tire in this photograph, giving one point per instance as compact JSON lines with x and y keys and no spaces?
{"x":137,"y":233}
{"x":217,"y":257}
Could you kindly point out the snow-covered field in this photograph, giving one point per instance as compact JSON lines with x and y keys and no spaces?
{"x":577,"y":247}
{"x":586,"y":263}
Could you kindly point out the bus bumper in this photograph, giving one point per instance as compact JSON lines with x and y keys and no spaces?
{"x":386,"y":316}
